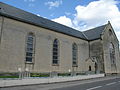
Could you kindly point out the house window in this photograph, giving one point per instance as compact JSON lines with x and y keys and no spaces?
{"x":112,"y":53}
{"x":30,"y":47}
{"x":55,"y":52}
{"x":74,"y":54}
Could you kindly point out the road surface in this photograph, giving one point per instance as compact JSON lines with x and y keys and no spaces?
{"x":113,"y":84}
{"x":107,"y":83}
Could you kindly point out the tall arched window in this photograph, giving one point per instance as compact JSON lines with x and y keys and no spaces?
{"x":112,"y":53}
{"x":74,"y":54}
{"x":55,"y":52}
{"x":30,"y":47}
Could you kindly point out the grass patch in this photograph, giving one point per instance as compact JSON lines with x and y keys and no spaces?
{"x":39,"y":75}
{"x":9,"y":76}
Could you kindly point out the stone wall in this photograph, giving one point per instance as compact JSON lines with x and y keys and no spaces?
{"x":96,"y":53}
{"x":13,"y":53}
{"x":13,"y":44}
{"x":110,"y":37}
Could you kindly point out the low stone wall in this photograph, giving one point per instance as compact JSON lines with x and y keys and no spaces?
{"x":30,"y":81}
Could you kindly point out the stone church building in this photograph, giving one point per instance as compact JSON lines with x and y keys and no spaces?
{"x":38,"y":45}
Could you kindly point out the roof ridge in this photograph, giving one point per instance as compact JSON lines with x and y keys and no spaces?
{"x":95,"y":28}
{"x":85,"y":35}
{"x":94,"y":33}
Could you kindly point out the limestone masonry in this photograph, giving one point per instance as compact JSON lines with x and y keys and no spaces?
{"x":38,"y":45}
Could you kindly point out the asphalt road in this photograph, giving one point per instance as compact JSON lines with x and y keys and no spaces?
{"x":108,"y":83}
{"x":113,"y":84}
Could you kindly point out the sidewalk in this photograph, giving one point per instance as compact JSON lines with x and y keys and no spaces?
{"x":32,"y":81}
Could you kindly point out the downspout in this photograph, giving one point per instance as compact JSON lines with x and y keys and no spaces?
{"x":89,"y":48}
{"x":103,"y":57}
{"x":1,"y":29}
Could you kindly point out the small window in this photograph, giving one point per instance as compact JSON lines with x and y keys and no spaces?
{"x":55,"y":52}
{"x":74,"y":54}
{"x":110,"y":32}
{"x":30,"y":47}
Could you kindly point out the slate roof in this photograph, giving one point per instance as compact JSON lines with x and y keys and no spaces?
{"x":24,"y":16}
{"x":94,"y":33}
{"x":21,"y":15}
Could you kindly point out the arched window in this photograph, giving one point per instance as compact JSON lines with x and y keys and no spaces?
{"x":112,"y":53}
{"x":30,"y":47}
{"x":55,"y":52}
{"x":74,"y":54}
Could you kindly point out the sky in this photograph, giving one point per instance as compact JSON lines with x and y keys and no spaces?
{"x":78,"y":14}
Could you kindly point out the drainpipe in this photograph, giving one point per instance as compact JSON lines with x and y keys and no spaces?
{"x":89,"y":48}
{"x":1,"y":29}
